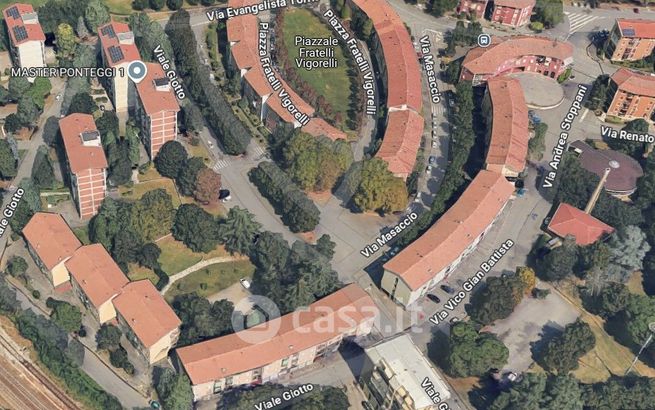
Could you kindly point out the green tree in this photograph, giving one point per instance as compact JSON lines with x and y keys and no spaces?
{"x":611,"y":300}
{"x":16,"y":266}
{"x":559,"y":262}
{"x":170,"y":159}
{"x":470,"y":353}
{"x":186,"y":180}
{"x":8,"y":163}
{"x":149,"y":256}
{"x":202,"y":320}
{"x":379,"y":189}
{"x":65,"y":39}
{"x":627,"y":247}
{"x":238,"y":230}
{"x":96,"y":14}
{"x":563,"y":351}
{"x":43,"y":173}
{"x":173,"y":389}
{"x":635,"y":150}
{"x":120,"y":164}
{"x":39,"y":90}
{"x":27,"y":111}
{"x":17,"y":87}
{"x":193,"y":121}
{"x":157,"y":4}
{"x":497,"y":300}
{"x":618,"y":393}
{"x":82,"y":103}
{"x":439,"y":7}
{"x":174,"y":4}
{"x":599,"y":93}
{"x":152,"y":215}
{"x":537,"y":144}
{"x":549,"y":12}
{"x":108,"y":337}
{"x":196,"y":228}
{"x":325,"y":246}
{"x":538,"y":391}
{"x":67,"y":316}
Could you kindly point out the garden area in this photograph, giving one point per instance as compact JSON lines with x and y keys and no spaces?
{"x":326,"y":88}
{"x":211,"y":279}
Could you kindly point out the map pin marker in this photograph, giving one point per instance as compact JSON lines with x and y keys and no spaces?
{"x":137,"y":71}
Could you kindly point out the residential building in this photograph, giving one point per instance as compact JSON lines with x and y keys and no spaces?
{"x":96,"y":280}
{"x":435,"y":254}
{"x":26,"y":37}
{"x":631,"y":40}
{"x":118,"y":51}
{"x":631,"y":95}
{"x":266,"y":351}
{"x":624,"y":170}
{"x":156,"y":109}
{"x":86,"y":162}
{"x":396,"y":375}
{"x":51,"y":243}
{"x":584,"y":228}
{"x":515,"y":13}
{"x":148,"y":321}
{"x":508,"y":131}
{"x":319,"y":127}
{"x":516,"y":54}
{"x":474,"y":8}
{"x":401,"y":141}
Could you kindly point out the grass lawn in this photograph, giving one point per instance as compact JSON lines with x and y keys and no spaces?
{"x":332,"y":83}
{"x":198,"y":151}
{"x":137,"y":272}
{"x":35,"y":3}
{"x":608,"y":356}
{"x":635,"y":284}
{"x":138,"y":190}
{"x":211,"y":279}
{"x":82,"y":234}
{"x":175,"y":256}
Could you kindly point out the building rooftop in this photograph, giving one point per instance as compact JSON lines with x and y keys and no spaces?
{"x":155,"y":91}
{"x":146,"y":312}
{"x":97,"y":274}
{"x":22,"y":24}
{"x":624,"y":169}
{"x":81,"y":156}
{"x":257,"y":80}
{"x":455,"y":231}
{"x":515,"y":4}
{"x":481,"y":60}
{"x":568,"y":220}
{"x":51,"y":238}
{"x":117,"y":42}
{"x":253,"y":348}
{"x":635,"y":82}
{"x":408,"y":368}
{"x":401,"y":141}
{"x":637,"y":28}
{"x":319,"y":127}
{"x":508,"y":145}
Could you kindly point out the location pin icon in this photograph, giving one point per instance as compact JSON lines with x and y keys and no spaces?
{"x":137,"y":71}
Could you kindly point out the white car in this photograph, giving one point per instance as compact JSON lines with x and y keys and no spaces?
{"x":245,"y":283}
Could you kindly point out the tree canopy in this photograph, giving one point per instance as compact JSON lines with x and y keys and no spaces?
{"x":563,"y":351}
{"x":470,"y":353}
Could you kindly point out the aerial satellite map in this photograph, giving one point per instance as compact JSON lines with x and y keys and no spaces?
{"x":327,"y":204}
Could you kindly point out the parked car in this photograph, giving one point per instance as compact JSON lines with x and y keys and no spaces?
{"x":434,"y":298}
{"x":245,"y":283}
{"x":454,"y":320}
{"x":224,"y":195}
{"x":434,"y":144}
{"x":432,"y":160}
{"x":428,"y":169}
{"x":447,"y":289}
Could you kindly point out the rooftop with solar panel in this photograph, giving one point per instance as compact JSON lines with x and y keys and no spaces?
{"x":23,"y":24}
{"x":118,"y":44}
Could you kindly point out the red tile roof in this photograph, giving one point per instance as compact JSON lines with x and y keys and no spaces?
{"x":110,"y":40}
{"x":401,"y":141}
{"x":257,"y":80}
{"x":241,"y":28}
{"x":508,"y":145}
{"x":146,"y":312}
{"x":81,"y":157}
{"x":318,"y":126}
{"x":245,"y":55}
{"x":515,"y":4}
{"x":51,"y":238}
{"x":586,"y":229}
{"x":403,"y":71}
{"x":155,"y":101}
{"x":458,"y":228}
{"x":486,"y":60}
{"x":97,"y":274}
{"x":324,"y":320}
{"x":641,"y":28}
{"x":635,"y":82}
{"x":33,"y":29}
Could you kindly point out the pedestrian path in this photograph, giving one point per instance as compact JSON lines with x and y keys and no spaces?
{"x":579,"y":20}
